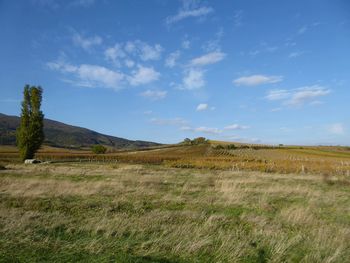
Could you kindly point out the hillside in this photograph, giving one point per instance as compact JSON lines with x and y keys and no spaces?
{"x":63,"y":135}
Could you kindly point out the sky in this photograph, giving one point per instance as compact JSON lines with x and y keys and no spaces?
{"x":255,"y":71}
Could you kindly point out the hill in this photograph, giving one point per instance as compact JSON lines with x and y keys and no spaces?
{"x":59,"y":134}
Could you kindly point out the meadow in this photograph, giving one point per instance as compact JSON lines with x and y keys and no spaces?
{"x":198,"y":203}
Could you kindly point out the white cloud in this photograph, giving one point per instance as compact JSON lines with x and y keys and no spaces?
{"x":98,"y":76}
{"x":130,"y":47}
{"x":299,"y":96}
{"x":149,"y":52}
{"x":236,"y":127}
{"x":114,"y":53}
{"x":202,"y":129}
{"x":279,"y":94}
{"x":169,"y":122}
{"x":154,"y":94}
{"x":143,"y":75}
{"x":172,"y":58}
{"x":136,"y":48}
{"x":202,"y":107}
{"x":207,"y":59}
{"x":194,"y":79}
{"x":295,"y":54}
{"x":255,"y":80}
{"x":189,"y":11}
{"x":90,"y":75}
{"x":306,"y":93}
{"x":337,"y":128}
{"x":86,"y":43}
{"x":129,"y":63}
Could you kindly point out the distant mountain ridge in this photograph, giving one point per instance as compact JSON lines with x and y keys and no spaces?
{"x":59,"y":134}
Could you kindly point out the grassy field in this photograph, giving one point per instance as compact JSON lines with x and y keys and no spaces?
{"x":153,"y":213}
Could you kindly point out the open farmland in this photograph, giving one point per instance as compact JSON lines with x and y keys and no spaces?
{"x":198,"y":203}
{"x":322,"y":160}
{"x":146,"y":213}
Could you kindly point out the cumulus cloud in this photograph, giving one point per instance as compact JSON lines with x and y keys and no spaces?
{"x":136,"y":49}
{"x":143,"y":75}
{"x":149,"y":52}
{"x":86,"y":42}
{"x":189,"y":9}
{"x":86,"y":75}
{"x":255,"y":80}
{"x":336,"y":128}
{"x":154,"y":94}
{"x":236,"y":127}
{"x":202,"y":107}
{"x":207,"y":59}
{"x":170,"y":62}
{"x":193,"y":79}
{"x":298,"y":96}
{"x":114,"y":53}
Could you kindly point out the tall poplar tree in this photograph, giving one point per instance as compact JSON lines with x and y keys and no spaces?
{"x":30,"y":134}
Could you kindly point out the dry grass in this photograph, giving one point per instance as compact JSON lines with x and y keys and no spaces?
{"x":142,"y":213}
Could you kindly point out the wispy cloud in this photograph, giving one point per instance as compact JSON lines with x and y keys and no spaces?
{"x":154,"y":94}
{"x":237,"y":18}
{"x":171,"y":60}
{"x":202,"y":129}
{"x":189,"y":9}
{"x":83,"y":3}
{"x":207,"y":59}
{"x":336,"y":128}
{"x":236,"y":127}
{"x":295,"y":54}
{"x":302,"y":30}
{"x":255,"y":80}
{"x":304,"y":94}
{"x":169,"y":122}
{"x":299,"y":96}
{"x":186,"y":44}
{"x":86,"y":42}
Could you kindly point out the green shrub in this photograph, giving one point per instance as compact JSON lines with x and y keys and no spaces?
{"x":99,"y":149}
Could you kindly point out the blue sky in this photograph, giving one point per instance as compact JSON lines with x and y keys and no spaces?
{"x":253,"y":71}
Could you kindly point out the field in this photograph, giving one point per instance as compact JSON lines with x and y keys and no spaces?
{"x":177,"y":204}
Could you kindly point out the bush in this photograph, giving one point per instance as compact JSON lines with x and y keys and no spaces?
{"x":99,"y":149}
{"x":199,"y":140}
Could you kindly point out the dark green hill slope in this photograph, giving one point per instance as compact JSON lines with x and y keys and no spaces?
{"x":63,"y":135}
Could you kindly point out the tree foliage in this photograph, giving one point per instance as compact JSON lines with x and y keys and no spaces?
{"x":30,"y":134}
{"x":99,"y":149}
